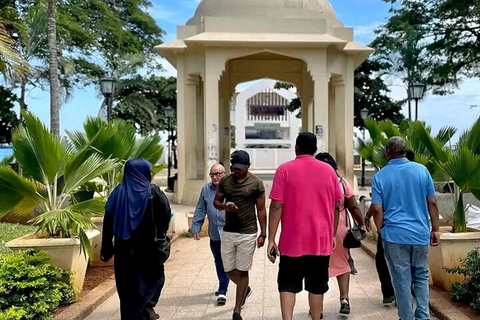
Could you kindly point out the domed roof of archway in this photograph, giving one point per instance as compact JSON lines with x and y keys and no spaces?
{"x":287,"y":9}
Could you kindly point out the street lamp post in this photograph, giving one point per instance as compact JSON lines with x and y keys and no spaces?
{"x":416,"y":93}
{"x":107,"y":86}
{"x":363,"y":115}
{"x":168,"y":115}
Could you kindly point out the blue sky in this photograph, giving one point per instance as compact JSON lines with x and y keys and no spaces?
{"x":363,"y":15}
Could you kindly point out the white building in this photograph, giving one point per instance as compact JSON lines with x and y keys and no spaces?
{"x":263,"y":126}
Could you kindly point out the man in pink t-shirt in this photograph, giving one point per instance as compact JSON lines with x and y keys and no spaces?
{"x":306,"y":198}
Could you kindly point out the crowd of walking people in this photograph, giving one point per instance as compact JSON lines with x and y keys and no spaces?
{"x":319,"y":216}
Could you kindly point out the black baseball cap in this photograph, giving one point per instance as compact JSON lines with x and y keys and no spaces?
{"x":240,"y":160}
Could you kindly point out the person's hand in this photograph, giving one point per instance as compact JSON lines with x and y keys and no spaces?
{"x":368,"y":225}
{"x":272,"y":245}
{"x":260,"y":241}
{"x":230,"y":206}
{"x":106,"y":253}
{"x":334,"y":242}
{"x":434,"y":238}
{"x":196,"y":236}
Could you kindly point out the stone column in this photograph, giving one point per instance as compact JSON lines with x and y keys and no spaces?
{"x":318,"y":69}
{"x":224,"y":116}
{"x":307,"y":102}
{"x":191,"y":123}
{"x":332,"y":130}
{"x":344,"y":91}
{"x":181,"y":128}
{"x":213,"y":70}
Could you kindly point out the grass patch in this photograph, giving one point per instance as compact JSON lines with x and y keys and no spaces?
{"x":10,"y":231}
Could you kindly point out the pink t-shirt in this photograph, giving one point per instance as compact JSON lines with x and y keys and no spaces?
{"x":308,"y":190}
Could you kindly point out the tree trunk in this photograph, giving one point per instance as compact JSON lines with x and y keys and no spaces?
{"x":23,"y":86}
{"x":53,"y":69}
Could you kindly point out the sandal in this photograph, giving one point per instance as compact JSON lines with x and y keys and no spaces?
{"x":310,"y":313}
{"x":344,"y":307}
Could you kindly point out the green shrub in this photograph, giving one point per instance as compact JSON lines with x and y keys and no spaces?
{"x":469,"y":290}
{"x":32,"y":288}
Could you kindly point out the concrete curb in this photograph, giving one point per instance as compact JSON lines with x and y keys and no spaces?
{"x":441,"y":307}
{"x":82,"y":309}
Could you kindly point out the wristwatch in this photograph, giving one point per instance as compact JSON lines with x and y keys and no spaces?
{"x":262,"y":235}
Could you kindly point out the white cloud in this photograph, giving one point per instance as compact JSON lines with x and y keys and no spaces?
{"x":365,"y":34}
{"x":167,"y":14}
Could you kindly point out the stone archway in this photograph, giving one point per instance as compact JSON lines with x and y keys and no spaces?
{"x":301,"y":43}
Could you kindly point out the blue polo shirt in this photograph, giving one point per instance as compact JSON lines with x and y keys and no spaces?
{"x":402,"y":188}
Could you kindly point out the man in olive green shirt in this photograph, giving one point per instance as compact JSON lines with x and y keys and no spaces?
{"x":239,"y":194}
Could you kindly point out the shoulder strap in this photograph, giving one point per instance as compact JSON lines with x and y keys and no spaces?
{"x":347,"y":218}
{"x":151,"y":212}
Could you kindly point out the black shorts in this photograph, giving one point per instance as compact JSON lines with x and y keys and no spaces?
{"x":292,"y":271}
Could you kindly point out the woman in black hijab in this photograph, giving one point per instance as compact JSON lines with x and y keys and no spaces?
{"x":132,"y":211}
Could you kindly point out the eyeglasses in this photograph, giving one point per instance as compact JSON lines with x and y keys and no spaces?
{"x":216,"y":174}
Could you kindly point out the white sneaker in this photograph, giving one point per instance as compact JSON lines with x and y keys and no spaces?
{"x":221,"y":299}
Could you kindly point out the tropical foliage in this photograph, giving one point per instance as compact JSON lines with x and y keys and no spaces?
{"x":10,"y":60}
{"x":462,"y":166}
{"x":116,"y":139}
{"x":54,"y":169}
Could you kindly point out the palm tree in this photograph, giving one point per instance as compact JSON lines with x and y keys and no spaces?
{"x":116,"y":139}
{"x":53,"y":69}
{"x":461,"y":166}
{"x":55,"y":171}
{"x":10,"y":59}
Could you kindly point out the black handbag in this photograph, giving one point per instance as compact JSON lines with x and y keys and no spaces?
{"x":354,"y":233}
{"x":162,"y":243}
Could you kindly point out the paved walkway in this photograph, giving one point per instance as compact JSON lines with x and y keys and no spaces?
{"x":191,"y":282}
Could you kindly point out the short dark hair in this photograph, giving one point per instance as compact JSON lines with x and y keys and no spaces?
{"x":410,"y":155}
{"x":306,"y":143}
{"x":327,"y":158}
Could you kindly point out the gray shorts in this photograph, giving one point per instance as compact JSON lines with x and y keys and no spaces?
{"x":237,"y":251}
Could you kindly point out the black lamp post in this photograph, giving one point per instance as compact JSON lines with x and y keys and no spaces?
{"x":168,"y":115}
{"x":363,"y":115}
{"x":107,"y":86}
{"x":416,"y":93}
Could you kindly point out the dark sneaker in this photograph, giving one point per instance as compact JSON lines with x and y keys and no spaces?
{"x":388,"y":300}
{"x":221,"y":299}
{"x":344,"y":306}
{"x":249,"y":292}
{"x":237,"y":316}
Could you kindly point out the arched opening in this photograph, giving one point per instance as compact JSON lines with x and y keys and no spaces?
{"x":262,"y":123}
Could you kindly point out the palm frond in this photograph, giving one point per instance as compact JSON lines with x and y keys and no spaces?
{"x":463,"y":167}
{"x":78,"y":138}
{"x":433,"y":146}
{"x":17,"y":193}
{"x":88,"y":207}
{"x":148,"y":148}
{"x":93,"y":167}
{"x":445,"y":134}
{"x":39,"y":152}
{"x":374,"y":130}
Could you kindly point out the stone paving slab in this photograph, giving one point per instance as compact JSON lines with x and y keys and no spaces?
{"x":191,"y":282}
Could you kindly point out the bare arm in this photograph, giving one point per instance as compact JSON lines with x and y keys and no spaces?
{"x":376,"y":210}
{"x":434,"y":218}
{"x":218,"y":201}
{"x":355,"y":211}
{"x":336,"y":218}
{"x":262,"y":215}
{"x":276,"y":210}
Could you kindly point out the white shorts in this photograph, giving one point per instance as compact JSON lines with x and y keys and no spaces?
{"x":237,"y":251}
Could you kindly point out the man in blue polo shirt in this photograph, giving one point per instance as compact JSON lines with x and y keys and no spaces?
{"x":403,"y":198}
